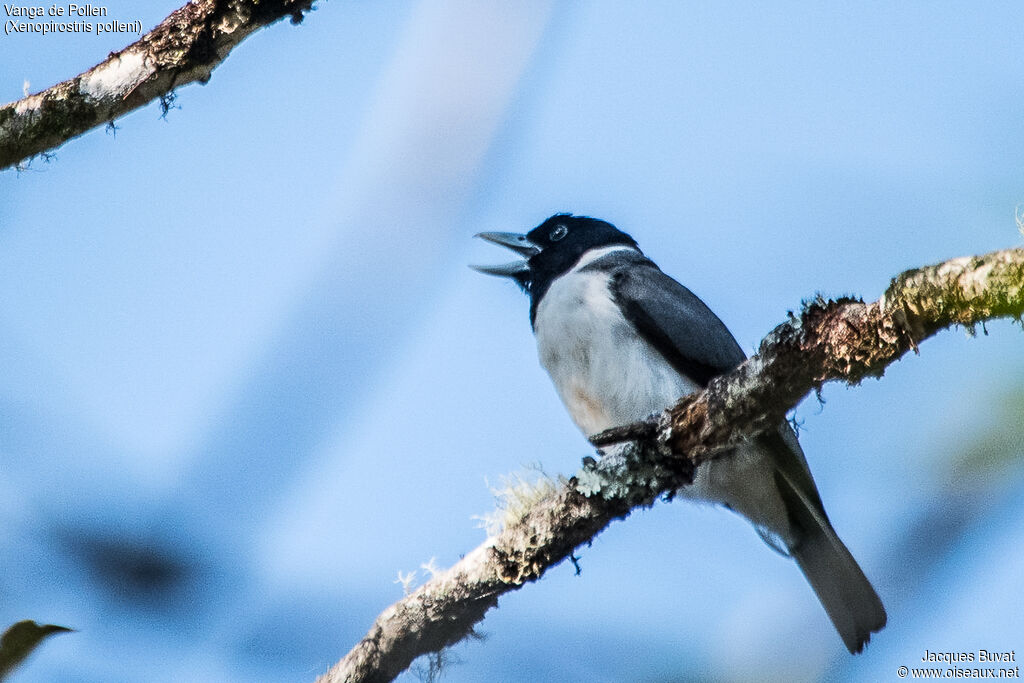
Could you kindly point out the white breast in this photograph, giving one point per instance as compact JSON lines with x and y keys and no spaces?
{"x":605,"y":373}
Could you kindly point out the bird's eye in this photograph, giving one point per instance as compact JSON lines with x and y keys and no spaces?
{"x":558,"y":233}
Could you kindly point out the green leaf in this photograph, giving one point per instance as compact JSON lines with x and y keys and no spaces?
{"x":19,"y":640}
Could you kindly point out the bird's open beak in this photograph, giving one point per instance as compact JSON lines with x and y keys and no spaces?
{"x":517,"y":243}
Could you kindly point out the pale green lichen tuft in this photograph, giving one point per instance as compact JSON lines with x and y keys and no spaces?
{"x":628,"y":472}
{"x":515,"y":497}
{"x":610,"y":477}
{"x":407,"y":581}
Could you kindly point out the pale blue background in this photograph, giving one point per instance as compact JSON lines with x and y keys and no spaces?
{"x":245,"y":339}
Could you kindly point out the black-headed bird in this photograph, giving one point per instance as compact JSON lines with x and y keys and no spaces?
{"x":622,"y":340}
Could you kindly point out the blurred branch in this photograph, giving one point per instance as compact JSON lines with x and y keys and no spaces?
{"x":184,"y":47}
{"x":845,"y":340}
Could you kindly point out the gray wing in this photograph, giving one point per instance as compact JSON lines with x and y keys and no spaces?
{"x":699,"y":346}
{"x":791,"y":464}
{"x":674,"y":321}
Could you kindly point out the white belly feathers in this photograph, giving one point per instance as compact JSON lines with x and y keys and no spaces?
{"x":605,"y":373}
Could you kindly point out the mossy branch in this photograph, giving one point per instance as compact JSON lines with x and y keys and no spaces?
{"x":184,"y":47}
{"x":844,"y":340}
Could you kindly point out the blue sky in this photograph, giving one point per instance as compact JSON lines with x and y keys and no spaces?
{"x":244,"y":338}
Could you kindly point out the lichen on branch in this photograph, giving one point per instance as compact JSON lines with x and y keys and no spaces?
{"x":844,"y":340}
{"x":185,"y":47}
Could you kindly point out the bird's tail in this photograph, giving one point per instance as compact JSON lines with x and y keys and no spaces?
{"x":846,"y":594}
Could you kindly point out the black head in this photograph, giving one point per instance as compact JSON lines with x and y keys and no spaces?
{"x":563,"y":239}
{"x":552,"y":249}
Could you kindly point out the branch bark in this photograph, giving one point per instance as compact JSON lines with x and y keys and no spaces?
{"x":184,"y":47}
{"x":845,"y":340}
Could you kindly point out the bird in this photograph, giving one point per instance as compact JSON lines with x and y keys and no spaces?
{"x":622,"y":340}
